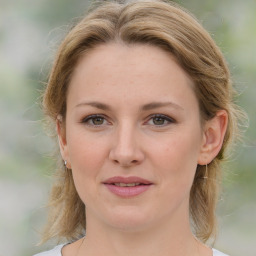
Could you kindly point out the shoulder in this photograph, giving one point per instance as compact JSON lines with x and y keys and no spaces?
{"x":218,"y":253}
{"x":54,"y":252}
{"x":57,"y":252}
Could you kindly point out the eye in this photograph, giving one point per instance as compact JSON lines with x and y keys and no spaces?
{"x":95,"y":120}
{"x":160,"y":120}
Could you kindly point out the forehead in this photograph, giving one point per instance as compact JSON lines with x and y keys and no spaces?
{"x":130,"y":72}
{"x":138,"y":57}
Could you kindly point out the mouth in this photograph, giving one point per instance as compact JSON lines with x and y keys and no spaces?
{"x":127,"y":186}
{"x":132,"y":180}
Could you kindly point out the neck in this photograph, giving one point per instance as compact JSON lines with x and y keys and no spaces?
{"x":167,"y":238}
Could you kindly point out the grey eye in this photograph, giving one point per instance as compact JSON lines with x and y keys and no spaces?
{"x":97,"y":120}
{"x":158,"y":120}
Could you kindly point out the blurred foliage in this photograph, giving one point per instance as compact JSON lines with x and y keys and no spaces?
{"x":30,"y":31}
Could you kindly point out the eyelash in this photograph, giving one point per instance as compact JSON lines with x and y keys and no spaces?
{"x":87,"y":119}
{"x":165,"y":118}
{"x":168,"y":119}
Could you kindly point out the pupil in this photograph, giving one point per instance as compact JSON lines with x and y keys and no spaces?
{"x":98,"y":120}
{"x":158,"y":120}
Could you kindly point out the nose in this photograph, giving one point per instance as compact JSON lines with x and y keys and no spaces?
{"x":126,"y":148}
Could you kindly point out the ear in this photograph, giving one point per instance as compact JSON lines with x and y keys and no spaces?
{"x":213,"y":136}
{"x":62,"y":140}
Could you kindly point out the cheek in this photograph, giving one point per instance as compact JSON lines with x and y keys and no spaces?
{"x":177,"y":157}
{"x":86,"y":153}
{"x":87,"y":156}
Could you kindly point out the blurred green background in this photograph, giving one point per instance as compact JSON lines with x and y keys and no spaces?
{"x":30,"y":31}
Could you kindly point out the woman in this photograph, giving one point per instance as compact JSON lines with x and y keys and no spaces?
{"x":143,"y":105}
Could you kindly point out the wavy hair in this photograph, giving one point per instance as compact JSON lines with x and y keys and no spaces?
{"x":167,"y":26}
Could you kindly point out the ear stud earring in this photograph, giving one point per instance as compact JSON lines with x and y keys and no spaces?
{"x":66,"y":165}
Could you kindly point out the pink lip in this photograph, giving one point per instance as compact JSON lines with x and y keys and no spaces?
{"x":131,"y":179}
{"x":127,"y":191}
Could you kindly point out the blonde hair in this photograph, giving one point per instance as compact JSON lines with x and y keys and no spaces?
{"x":171,"y":28}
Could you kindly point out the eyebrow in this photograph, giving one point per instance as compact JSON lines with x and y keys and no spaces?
{"x":145,"y":107}
{"x":154,"y":105}
{"x":94,"y":104}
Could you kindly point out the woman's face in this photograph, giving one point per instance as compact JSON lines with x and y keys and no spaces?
{"x":133,"y":136}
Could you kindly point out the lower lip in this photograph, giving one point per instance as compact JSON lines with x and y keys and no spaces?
{"x":127,"y":191}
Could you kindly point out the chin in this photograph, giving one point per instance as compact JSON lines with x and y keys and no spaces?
{"x":129,"y":220}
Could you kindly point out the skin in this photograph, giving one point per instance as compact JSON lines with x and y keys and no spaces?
{"x":127,"y":139}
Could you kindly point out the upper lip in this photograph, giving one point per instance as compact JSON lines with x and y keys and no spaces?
{"x":127,"y":180}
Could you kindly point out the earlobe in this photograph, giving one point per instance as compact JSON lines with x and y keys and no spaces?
{"x":214,"y":132}
{"x":62,"y":140}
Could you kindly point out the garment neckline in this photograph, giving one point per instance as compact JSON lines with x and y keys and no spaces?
{"x":61,"y":246}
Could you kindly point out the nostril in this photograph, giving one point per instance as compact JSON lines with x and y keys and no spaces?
{"x":126,"y":158}
{"x":125,"y":163}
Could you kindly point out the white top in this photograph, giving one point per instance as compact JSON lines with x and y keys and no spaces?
{"x":57,"y":252}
